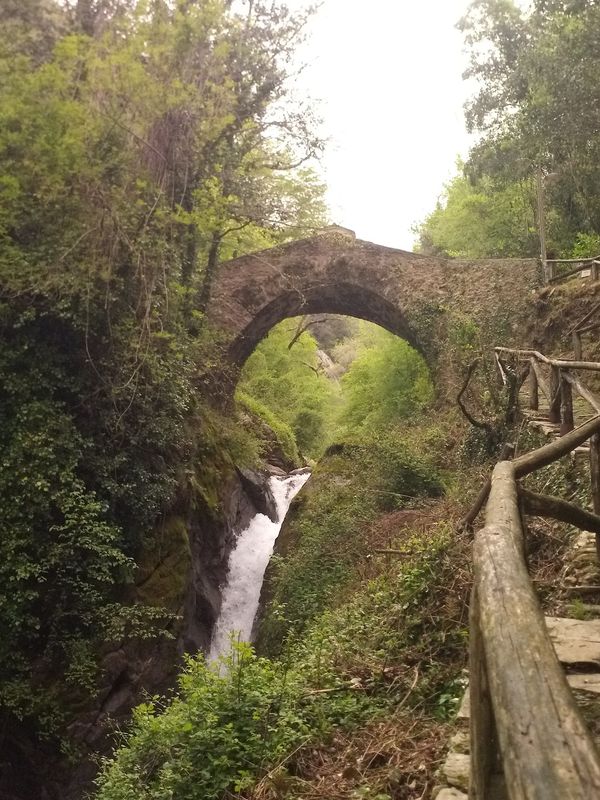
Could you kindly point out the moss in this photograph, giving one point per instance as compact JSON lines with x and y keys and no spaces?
{"x":282,"y":432}
{"x":324,"y":542}
{"x":164,"y":566}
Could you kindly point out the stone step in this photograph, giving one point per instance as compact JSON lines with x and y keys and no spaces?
{"x":451,"y":794}
{"x":582,"y":682}
{"x":576,"y":642}
{"x":582,"y":450}
{"x":548,"y":428}
{"x":460,"y":742}
{"x":463,"y":715}
{"x":456,"y":771}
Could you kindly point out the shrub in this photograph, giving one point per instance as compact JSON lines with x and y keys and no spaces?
{"x":217,"y":736}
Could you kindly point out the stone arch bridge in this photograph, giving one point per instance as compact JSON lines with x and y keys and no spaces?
{"x":335,"y":273}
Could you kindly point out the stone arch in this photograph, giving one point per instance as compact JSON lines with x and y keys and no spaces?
{"x":337,"y":274}
{"x":342,"y":298}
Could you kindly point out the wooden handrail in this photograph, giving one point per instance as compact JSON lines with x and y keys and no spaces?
{"x":523,"y":714}
{"x":536,"y":459}
{"x":561,"y":363}
{"x":519,"y":695}
{"x":562,"y":381}
{"x":563,"y":275}
{"x":586,"y":260}
{"x":541,"y":380}
{"x":583,"y":391}
{"x":593,"y":264}
{"x":548,"y":453}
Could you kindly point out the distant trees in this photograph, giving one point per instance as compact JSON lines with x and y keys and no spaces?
{"x":475,"y":219}
{"x":289,"y":382}
{"x":537,"y":107}
{"x":386,"y":383}
{"x":171,"y":122}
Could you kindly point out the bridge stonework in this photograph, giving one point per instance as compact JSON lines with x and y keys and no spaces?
{"x":335,"y":273}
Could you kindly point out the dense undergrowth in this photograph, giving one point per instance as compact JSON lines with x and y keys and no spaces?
{"x":136,"y":152}
{"x":364,"y":629}
{"x":364,"y":622}
{"x":395,"y":641}
{"x":326,"y":535}
{"x":134,"y":156}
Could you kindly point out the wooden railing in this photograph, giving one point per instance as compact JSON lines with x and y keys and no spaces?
{"x":558,"y":391}
{"x":583,"y":326}
{"x":524,"y":720}
{"x":525,"y":724}
{"x":572,"y":267}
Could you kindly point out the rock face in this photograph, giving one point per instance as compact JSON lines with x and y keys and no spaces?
{"x":244,"y":495}
{"x":256,"y":486}
{"x":182,"y":569}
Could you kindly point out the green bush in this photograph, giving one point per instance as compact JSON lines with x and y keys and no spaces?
{"x":285,"y":384}
{"x":221,"y":733}
{"x":283,"y":433}
{"x":325,"y":535}
{"x":228,"y":729}
{"x":59,"y":555}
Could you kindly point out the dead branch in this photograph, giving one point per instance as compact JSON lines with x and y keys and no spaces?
{"x":303,"y":325}
{"x":310,"y":366}
{"x":543,"y":505}
{"x":475,"y":422}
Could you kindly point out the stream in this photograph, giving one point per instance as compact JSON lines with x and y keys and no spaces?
{"x":247,"y":565}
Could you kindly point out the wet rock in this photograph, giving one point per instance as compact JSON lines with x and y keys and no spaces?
{"x":277,"y":471}
{"x":256,"y":486}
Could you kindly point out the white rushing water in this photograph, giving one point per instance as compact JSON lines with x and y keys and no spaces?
{"x":247,"y":565}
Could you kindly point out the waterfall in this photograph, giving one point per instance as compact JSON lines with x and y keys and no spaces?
{"x":247,"y":564}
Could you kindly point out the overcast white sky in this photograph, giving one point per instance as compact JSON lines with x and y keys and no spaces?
{"x":388,"y":73}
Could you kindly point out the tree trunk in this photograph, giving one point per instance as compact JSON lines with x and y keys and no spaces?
{"x":212,"y":265}
{"x":85,"y":15}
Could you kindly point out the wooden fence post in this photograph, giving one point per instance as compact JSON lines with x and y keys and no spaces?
{"x":566,"y":407}
{"x":595,"y":270}
{"x":595,"y":471}
{"x":534,"y":399}
{"x":577,"y":346}
{"x":595,"y":480}
{"x":555,"y":395}
{"x":484,"y":746}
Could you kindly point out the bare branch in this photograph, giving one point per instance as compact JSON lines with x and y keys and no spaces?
{"x":475,"y":422}
{"x":542,"y":505}
{"x":303,"y":326}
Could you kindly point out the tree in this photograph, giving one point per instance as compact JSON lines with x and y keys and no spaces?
{"x":387,"y":382}
{"x":482,"y":219}
{"x":290,"y":384}
{"x":133,"y":137}
{"x":538,"y":103}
